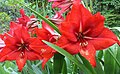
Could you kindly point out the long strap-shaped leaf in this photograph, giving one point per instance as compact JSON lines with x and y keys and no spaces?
{"x":43,"y":18}
{"x":66,"y":54}
{"x":118,"y":63}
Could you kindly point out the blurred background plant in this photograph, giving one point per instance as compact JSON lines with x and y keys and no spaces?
{"x":106,"y":63}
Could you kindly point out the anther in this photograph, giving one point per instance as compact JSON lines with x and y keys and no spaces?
{"x":83,"y":44}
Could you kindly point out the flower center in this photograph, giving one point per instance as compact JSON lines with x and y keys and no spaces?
{"x":22,"y":46}
{"x":81,"y":39}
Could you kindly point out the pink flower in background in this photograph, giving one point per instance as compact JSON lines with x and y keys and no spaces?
{"x":2,"y":44}
{"x":57,"y":19}
{"x":63,"y":4}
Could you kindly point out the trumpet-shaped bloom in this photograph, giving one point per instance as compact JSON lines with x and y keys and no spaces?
{"x":63,"y":4}
{"x":46,"y":33}
{"x":85,"y":33}
{"x":46,"y":51}
{"x":28,"y":22}
{"x":18,"y":46}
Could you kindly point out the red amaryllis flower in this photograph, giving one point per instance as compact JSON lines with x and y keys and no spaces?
{"x":63,"y":4}
{"x":29,"y":22}
{"x":18,"y":47}
{"x":48,"y":34}
{"x":85,"y":33}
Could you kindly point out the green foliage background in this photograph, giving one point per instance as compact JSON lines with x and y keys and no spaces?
{"x":106,"y":63}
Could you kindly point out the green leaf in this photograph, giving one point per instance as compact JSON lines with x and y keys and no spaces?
{"x":91,"y":6}
{"x":100,"y":54}
{"x":43,"y":18}
{"x":66,"y":54}
{"x":74,"y":68}
{"x":29,"y":64}
{"x":36,"y":69}
{"x":30,"y":71}
{"x":58,"y":63}
{"x":98,"y":67}
{"x":117,"y":68}
{"x":109,"y":63}
{"x":50,"y":66}
{"x":87,"y":64}
{"x":118,"y":28}
{"x":29,"y":67}
{"x":64,"y":67}
{"x":2,"y":71}
{"x":113,"y":56}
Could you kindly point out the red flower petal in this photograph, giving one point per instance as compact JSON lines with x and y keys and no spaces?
{"x":45,"y":59}
{"x":36,"y":45}
{"x":25,"y":34}
{"x":33,"y":56}
{"x":68,"y":30}
{"x":62,"y":42}
{"x":72,"y":48}
{"x":95,"y":25}
{"x":47,"y":53}
{"x":42,"y":34}
{"x":47,"y":27}
{"x":102,"y":43}
{"x":21,"y":33}
{"x":21,"y":62}
{"x":13,"y":55}
{"x":3,"y":52}
{"x":89,"y":53}
{"x":106,"y":33}
{"x":22,"y":12}
{"x":104,"y":40}
{"x":79,"y":14}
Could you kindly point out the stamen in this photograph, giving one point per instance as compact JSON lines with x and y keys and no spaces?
{"x":80,"y":29}
{"x":88,"y":37}
{"x":86,"y":31}
{"x":19,"y":48}
{"x":83,"y":44}
{"x":22,"y":41}
{"x":26,"y":48}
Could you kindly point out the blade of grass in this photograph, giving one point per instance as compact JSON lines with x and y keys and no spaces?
{"x":65,"y":53}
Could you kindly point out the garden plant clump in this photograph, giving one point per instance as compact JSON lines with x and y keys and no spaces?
{"x":70,"y":38}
